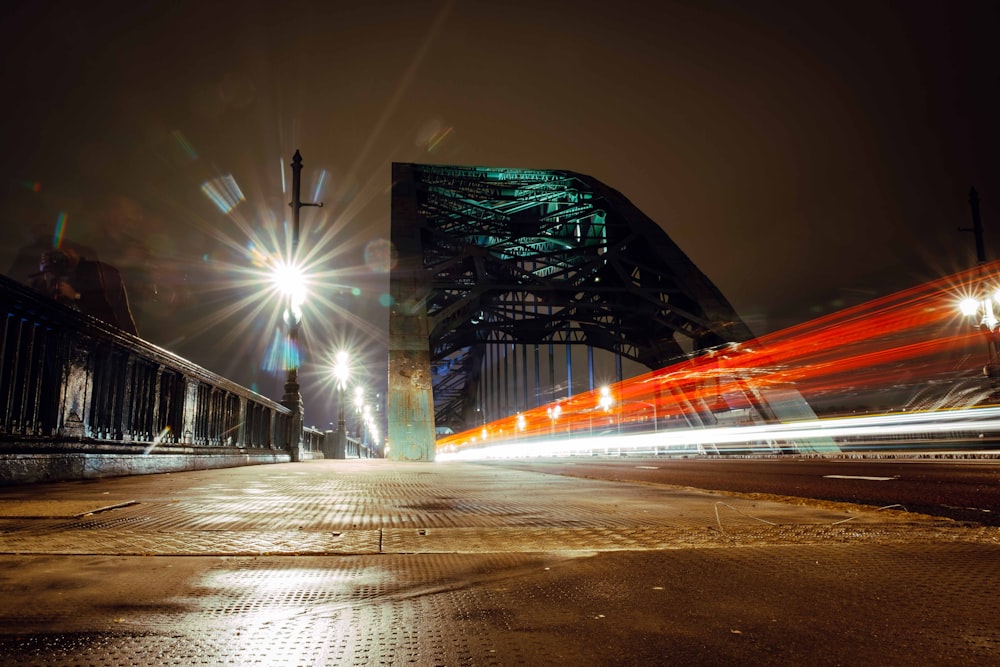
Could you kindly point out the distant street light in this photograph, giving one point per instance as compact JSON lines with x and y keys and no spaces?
{"x":554,"y":413}
{"x":606,"y":402}
{"x":341,"y":373}
{"x":984,"y":309}
{"x":359,"y":406}
{"x":367,"y":424}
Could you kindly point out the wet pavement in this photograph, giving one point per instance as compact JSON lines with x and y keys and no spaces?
{"x":379,"y":563}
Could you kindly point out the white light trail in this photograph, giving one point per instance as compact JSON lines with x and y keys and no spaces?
{"x":864,"y":477}
{"x":972,"y":421}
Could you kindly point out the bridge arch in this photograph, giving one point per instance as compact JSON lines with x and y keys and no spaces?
{"x":498,"y":267}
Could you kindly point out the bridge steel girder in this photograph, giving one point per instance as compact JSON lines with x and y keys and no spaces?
{"x":492,"y":256}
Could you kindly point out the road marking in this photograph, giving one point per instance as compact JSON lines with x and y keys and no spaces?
{"x":974,"y":509}
{"x":648,"y":467}
{"x":872,"y":479}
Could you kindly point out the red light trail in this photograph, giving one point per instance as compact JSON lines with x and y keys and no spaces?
{"x":914,"y":343}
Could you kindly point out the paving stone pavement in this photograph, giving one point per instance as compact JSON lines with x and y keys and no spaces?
{"x":376,"y":562}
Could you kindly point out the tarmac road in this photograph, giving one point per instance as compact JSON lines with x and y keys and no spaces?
{"x":963,"y":490}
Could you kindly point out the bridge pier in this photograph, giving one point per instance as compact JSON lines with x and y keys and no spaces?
{"x":410,"y":409}
{"x":411,"y":399}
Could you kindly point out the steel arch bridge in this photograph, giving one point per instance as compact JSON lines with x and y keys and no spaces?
{"x":493,"y":260}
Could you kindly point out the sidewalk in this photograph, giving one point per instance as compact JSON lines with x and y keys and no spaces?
{"x":369,"y":562}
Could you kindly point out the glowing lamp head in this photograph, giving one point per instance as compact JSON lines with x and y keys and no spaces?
{"x":605,"y":401}
{"x":290,"y":281}
{"x":968,"y":306}
{"x":341,"y":368}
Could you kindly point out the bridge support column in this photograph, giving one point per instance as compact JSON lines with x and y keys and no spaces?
{"x":411,"y":393}
{"x":411,"y":399}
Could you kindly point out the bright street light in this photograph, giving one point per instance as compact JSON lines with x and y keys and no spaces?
{"x":341,"y":369}
{"x":989,"y":324}
{"x":291,"y":283}
{"x":605,"y":401}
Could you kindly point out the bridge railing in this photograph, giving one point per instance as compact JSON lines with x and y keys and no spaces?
{"x":356,"y":448}
{"x":69,"y":382}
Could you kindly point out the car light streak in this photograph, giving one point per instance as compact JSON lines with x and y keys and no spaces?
{"x":912,"y":343}
{"x":861,"y":477}
{"x":968,"y":422}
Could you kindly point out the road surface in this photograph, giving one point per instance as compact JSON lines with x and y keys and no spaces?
{"x":964,"y":490}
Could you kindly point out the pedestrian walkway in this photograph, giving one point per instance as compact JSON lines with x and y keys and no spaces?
{"x":370,"y":562}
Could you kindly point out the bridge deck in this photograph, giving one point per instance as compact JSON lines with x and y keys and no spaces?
{"x":377,"y":562}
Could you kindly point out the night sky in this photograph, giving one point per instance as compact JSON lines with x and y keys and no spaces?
{"x":803,"y":154}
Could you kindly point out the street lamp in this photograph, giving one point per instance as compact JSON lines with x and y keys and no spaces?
{"x":554,"y":413}
{"x":367,"y":422}
{"x":606,"y":402}
{"x":985,"y":310}
{"x":292,"y":283}
{"x":359,"y":405}
{"x":341,"y":372}
{"x":359,"y":399}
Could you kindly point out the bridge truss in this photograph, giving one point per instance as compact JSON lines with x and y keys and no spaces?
{"x":493,"y":260}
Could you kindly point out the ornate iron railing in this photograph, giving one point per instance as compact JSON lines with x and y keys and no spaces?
{"x":67,"y":379}
{"x":355,"y":448}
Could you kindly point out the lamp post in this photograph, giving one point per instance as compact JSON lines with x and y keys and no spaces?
{"x":606,"y":402}
{"x":984,"y":308}
{"x":365,"y":427}
{"x":554,"y":413}
{"x":359,"y":405}
{"x":292,"y":399}
{"x":341,"y":373}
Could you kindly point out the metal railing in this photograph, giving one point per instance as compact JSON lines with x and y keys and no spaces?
{"x":67,"y":379}
{"x":356,"y":448}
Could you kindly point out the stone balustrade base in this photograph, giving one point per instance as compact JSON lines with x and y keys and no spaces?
{"x":26,"y":466}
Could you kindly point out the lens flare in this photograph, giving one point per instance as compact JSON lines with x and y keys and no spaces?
{"x":224,"y":192}
{"x":380,"y":256}
{"x":184,"y":144}
{"x":57,"y":237}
